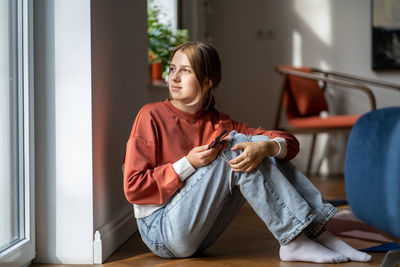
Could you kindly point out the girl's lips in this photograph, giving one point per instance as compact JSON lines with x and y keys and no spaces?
{"x":173,"y":87}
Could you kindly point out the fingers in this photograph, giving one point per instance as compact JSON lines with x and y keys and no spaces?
{"x":240,"y":163}
{"x":226,"y":138}
{"x":201,"y":148}
{"x":240,"y":146}
{"x":202,"y":155}
{"x":209,"y":155}
{"x":237,"y":160}
{"x":247,"y":160}
{"x":209,"y":152}
{"x":243,"y":166}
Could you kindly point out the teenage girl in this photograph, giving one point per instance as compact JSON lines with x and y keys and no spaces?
{"x":185,"y":193}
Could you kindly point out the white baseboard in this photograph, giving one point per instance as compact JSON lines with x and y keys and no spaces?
{"x":111,"y":235}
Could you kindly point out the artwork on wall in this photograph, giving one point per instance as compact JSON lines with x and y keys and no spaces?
{"x":385,"y":34}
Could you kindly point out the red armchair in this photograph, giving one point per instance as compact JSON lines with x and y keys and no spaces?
{"x":302,"y":95}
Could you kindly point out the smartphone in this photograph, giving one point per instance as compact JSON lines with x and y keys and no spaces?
{"x":217,"y":139}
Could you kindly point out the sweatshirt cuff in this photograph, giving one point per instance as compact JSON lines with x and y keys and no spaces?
{"x":282,"y":148}
{"x":183,"y":168}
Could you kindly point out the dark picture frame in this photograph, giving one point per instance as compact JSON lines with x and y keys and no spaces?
{"x":385,"y":34}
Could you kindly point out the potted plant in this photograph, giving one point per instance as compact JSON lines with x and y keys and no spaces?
{"x":162,"y":39}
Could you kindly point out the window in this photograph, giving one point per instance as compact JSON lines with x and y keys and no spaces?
{"x":169,"y":11}
{"x":163,"y":36}
{"x":16,"y":179}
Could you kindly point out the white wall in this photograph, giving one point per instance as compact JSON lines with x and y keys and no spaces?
{"x":256,"y":35}
{"x":337,"y":37}
{"x":63,"y":114}
{"x":90,"y":80}
{"x":119,"y":74}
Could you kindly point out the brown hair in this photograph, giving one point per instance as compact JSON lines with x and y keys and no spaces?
{"x":206,"y":65}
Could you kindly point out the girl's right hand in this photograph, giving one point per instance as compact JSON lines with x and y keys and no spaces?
{"x":202,"y":155}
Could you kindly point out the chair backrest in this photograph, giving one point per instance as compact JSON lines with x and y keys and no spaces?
{"x":303,"y":97}
{"x":372,"y":169}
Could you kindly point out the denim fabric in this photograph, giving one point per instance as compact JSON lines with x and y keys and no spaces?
{"x":203,"y":207}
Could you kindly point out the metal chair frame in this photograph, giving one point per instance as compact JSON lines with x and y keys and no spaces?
{"x":326,"y":77}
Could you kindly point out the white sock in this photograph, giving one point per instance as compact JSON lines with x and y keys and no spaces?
{"x":330,"y":241}
{"x":304,"y":249}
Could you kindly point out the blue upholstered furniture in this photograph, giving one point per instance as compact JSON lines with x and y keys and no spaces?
{"x":372,"y":172}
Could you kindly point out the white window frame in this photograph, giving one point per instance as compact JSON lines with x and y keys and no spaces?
{"x":22,"y":253}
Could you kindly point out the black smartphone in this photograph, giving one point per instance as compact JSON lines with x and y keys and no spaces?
{"x":217,"y":139}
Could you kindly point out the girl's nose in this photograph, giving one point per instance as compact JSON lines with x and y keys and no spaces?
{"x":175,"y":76}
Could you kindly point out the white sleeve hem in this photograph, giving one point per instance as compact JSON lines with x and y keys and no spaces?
{"x":183,"y":168}
{"x":282,"y":148}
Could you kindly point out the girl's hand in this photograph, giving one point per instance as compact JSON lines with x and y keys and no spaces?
{"x":253,"y":153}
{"x":202,"y":155}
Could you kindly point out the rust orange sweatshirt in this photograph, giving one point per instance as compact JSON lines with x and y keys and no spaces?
{"x":162,"y":134}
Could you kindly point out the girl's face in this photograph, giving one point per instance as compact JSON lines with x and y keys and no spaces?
{"x":182,"y":83}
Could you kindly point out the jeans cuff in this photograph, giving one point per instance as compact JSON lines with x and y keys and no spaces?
{"x":316,"y":226}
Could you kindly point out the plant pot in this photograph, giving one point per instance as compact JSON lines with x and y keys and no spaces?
{"x":156,"y":68}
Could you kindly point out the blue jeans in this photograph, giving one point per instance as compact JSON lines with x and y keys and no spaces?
{"x":197,"y":214}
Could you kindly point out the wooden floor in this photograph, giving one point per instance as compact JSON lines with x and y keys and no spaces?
{"x":246,"y":242}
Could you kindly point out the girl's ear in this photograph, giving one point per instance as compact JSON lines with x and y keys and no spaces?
{"x":208,"y":83}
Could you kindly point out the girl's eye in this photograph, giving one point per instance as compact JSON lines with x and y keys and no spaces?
{"x":187,"y":70}
{"x":171,"y":69}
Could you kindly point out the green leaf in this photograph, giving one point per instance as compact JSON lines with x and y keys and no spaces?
{"x":161,"y":37}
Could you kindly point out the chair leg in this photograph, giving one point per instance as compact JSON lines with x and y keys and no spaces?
{"x":325,"y":148}
{"x":310,"y":158}
{"x":392,"y":258}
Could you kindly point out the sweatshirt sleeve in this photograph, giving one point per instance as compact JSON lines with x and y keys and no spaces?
{"x":282,"y":152}
{"x":144,"y":181}
{"x":292,"y":144}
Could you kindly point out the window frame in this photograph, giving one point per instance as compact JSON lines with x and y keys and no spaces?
{"x":23,"y":251}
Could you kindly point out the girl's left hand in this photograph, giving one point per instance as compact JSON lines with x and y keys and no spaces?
{"x":253,"y":153}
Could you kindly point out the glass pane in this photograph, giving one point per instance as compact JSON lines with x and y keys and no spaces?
{"x":11,"y":206}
